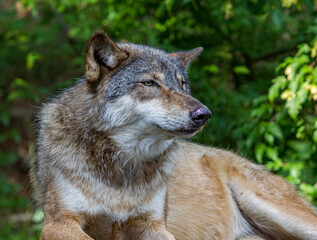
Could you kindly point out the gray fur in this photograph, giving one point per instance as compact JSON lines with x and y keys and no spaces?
{"x":149,"y":60}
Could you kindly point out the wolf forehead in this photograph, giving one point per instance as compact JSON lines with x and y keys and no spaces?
{"x":146,"y":63}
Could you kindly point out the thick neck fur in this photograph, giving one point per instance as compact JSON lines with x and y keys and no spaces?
{"x":125,"y":162}
{"x":124,"y":156}
{"x":137,"y":144}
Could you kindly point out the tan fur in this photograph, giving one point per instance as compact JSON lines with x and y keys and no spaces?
{"x":208,"y":183}
{"x":201,"y":198}
{"x":134,"y":229}
{"x":253,"y":237}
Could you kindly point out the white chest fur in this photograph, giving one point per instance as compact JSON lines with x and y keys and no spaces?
{"x":118,"y":204}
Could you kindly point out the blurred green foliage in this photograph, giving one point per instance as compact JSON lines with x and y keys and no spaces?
{"x":282,"y":128}
{"x":271,"y":121}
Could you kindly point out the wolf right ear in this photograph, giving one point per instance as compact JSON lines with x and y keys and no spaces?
{"x":101,"y":51}
{"x":186,"y":57}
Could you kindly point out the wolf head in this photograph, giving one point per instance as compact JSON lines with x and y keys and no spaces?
{"x":143,"y":88}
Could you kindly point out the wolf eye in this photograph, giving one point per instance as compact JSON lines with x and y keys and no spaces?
{"x":149,"y":83}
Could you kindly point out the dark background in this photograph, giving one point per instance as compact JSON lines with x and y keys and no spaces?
{"x":257,"y":74}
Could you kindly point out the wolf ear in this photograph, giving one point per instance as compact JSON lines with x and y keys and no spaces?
{"x":101,"y":51}
{"x":186,"y":57}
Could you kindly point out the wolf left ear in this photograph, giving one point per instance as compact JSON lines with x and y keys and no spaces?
{"x":101,"y":51}
{"x":186,"y":57}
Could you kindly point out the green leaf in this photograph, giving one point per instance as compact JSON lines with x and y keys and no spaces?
{"x":275,"y":165}
{"x":275,"y":130}
{"x":258,"y":112}
{"x":241,"y":70}
{"x":309,"y":190}
{"x":272,"y":153}
{"x":279,"y":83}
{"x":31,"y":58}
{"x":293,"y":107}
{"x":211,"y":68}
{"x":259,"y":152}
{"x":19,"y":82}
{"x":303,"y":149}
{"x":269,"y":138}
{"x":15,"y":95}
{"x":259,"y":100}
{"x":295,"y":170}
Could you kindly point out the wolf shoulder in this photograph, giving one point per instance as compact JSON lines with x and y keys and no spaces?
{"x":216,"y":157}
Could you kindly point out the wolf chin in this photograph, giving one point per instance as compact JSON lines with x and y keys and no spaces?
{"x":112,"y":161}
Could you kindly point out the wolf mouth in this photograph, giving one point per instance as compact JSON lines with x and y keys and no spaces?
{"x":180,"y":130}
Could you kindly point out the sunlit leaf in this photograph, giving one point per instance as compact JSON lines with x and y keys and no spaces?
{"x":31,"y":58}
{"x":241,"y":70}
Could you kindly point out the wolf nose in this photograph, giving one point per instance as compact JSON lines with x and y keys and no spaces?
{"x":200,"y":115}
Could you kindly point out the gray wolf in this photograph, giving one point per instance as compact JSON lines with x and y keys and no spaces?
{"x":113,"y":163}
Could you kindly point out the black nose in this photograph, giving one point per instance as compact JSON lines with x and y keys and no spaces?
{"x":200,"y":115}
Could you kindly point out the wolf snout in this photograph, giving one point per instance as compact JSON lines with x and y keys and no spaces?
{"x":200,"y":116}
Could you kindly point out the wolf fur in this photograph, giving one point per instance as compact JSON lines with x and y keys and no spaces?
{"x":112,"y":163}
